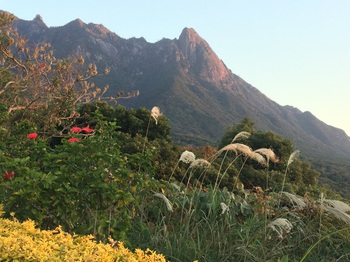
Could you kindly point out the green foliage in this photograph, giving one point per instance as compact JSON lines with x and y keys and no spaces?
{"x":86,"y":187}
{"x":133,"y":122}
{"x":254,"y":174}
{"x":24,"y":242}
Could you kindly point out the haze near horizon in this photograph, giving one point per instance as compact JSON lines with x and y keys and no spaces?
{"x":296,"y":53}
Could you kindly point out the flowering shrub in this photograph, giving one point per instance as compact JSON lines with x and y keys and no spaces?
{"x":23,"y":242}
{"x":89,"y":187}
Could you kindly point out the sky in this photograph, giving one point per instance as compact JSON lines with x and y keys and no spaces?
{"x":295,"y":52}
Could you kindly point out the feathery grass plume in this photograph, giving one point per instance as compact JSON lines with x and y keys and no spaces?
{"x":281,"y":225}
{"x":166,"y":201}
{"x":269,"y":154}
{"x":337,"y":204}
{"x":187,"y":157}
{"x":200,"y":163}
{"x":292,"y":157}
{"x":259,"y":158}
{"x":229,"y":147}
{"x":238,"y":148}
{"x":338,"y":213}
{"x":295,"y":200}
{"x":242,"y":134}
{"x":155,"y":113}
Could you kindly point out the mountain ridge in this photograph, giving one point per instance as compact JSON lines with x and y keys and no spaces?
{"x":191,"y":84}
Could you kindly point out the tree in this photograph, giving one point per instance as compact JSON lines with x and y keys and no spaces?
{"x":254,"y":174}
{"x":246,"y":125}
{"x":34,"y":85}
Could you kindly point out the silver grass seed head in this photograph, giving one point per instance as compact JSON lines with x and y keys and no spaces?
{"x":238,"y":148}
{"x":229,"y":147}
{"x":243,"y":135}
{"x":269,"y":154}
{"x":244,"y":149}
{"x":295,"y":199}
{"x":337,"y":204}
{"x":345,"y":217}
{"x":259,"y":158}
{"x":166,"y":201}
{"x":281,"y":226}
{"x":293,"y":156}
{"x":155,"y":113}
{"x":200,"y":163}
{"x":187,"y":157}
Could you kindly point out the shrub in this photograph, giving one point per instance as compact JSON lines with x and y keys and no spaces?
{"x":88,"y":186}
{"x":22,"y":241}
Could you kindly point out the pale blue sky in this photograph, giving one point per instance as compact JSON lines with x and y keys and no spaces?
{"x":295,"y":52}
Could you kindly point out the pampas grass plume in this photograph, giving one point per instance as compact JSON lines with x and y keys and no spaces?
{"x":166,"y":201}
{"x":237,"y":147}
{"x":199,"y":163}
{"x":294,"y":199}
{"x":293,"y":156}
{"x":259,"y":158}
{"x":155,"y":113}
{"x":337,"y":204}
{"x":338,"y":214}
{"x":281,"y":226}
{"x":240,"y":135}
{"x":269,"y":154}
{"x":187,"y":157}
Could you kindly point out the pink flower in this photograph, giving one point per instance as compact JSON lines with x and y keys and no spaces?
{"x":32,"y":136}
{"x":75,"y":129}
{"x":8,"y":175}
{"x":87,"y":129}
{"x":73,"y":140}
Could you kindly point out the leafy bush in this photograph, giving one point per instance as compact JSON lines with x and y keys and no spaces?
{"x":85,"y":184}
{"x":24,"y":242}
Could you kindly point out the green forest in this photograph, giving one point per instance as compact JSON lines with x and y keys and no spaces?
{"x":74,"y":159}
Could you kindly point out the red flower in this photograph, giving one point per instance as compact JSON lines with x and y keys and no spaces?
{"x":75,"y":129}
{"x":32,"y":136}
{"x":8,"y":175}
{"x":87,"y":129}
{"x":73,"y":140}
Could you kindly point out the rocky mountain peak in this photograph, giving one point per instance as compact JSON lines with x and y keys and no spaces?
{"x":190,"y":36}
{"x":201,"y":57}
{"x":38,"y":18}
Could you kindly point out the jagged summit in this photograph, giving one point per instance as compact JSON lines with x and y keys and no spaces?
{"x":201,"y":57}
{"x":38,"y":18}
{"x":76,"y":23}
{"x":189,"y":35}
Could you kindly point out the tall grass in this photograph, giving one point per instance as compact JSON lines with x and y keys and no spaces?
{"x":188,"y":222}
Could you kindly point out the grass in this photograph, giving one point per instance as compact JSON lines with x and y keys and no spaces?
{"x":212,"y":223}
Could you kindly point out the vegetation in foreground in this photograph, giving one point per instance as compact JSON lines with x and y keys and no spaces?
{"x":24,"y":242}
{"x":72,"y":162}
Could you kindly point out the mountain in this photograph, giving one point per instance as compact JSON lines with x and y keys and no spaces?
{"x":192,"y":86}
